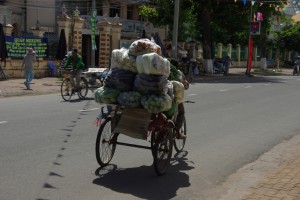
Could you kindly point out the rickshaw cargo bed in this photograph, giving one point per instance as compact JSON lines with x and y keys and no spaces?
{"x":134,"y":122}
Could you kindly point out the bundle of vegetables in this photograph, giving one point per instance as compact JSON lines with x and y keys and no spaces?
{"x":122,"y":60}
{"x":119,"y":79}
{"x":156,"y":103}
{"x":143,"y":46}
{"x":130,"y":99}
{"x":150,"y":84}
{"x":178,"y":91}
{"x":106,"y":95}
{"x":172,"y":111}
{"x":175,"y":74}
{"x":152,"y":63}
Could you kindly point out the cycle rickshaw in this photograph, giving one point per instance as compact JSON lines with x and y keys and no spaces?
{"x":140,"y":124}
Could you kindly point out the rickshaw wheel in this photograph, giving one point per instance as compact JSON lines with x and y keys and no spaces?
{"x":180,"y":143}
{"x":105,"y":143}
{"x":162,"y":146}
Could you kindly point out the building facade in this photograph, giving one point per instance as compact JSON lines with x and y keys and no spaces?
{"x":118,"y":21}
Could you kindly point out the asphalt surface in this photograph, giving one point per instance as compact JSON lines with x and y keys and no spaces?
{"x":274,"y":175}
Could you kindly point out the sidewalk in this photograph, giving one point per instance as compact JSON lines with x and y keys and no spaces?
{"x":274,"y":176}
{"x":16,"y":87}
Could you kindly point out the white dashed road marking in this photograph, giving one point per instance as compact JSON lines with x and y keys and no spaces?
{"x":248,"y":86}
{"x":89,"y":110}
{"x":192,"y":94}
{"x":3,"y":122}
{"x":223,"y":90}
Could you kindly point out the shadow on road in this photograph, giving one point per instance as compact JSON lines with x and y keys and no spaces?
{"x":142,"y":181}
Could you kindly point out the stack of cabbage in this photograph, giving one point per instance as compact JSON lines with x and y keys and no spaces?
{"x":139,"y":77}
{"x":144,"y":46}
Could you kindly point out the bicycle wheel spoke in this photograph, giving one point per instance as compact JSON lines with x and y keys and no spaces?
{"x":104,"y":148}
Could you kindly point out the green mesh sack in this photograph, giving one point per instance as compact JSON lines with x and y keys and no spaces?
{"x":170,"y":113}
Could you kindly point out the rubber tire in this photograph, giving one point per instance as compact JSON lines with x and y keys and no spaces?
{"x":103,"y":138}
{"x":162,"y":146}
{"x":84,"y":88}
{"x":64,"y":84}
{"x":180,"y":143}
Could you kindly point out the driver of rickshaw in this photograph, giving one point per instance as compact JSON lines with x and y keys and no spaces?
{"x":180,"y":107}
{"x":75,"y":60}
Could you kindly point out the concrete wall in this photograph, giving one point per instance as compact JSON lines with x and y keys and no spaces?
{"x":44,"y":11}
{"x":12,"y":68}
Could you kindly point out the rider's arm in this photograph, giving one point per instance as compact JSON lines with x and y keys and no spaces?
{"x":185,"y":82}
{"x":80,"y":64}
{"x":68,"y":62}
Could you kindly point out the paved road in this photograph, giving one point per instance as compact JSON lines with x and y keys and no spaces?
{"x":47,"y":146}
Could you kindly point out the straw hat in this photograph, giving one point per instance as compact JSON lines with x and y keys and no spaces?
{"x":30,"y":51}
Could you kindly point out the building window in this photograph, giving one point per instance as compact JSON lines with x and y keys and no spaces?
{"x":114,"y":10}
{"x":15,"y":30}
{"x":130,"y":12}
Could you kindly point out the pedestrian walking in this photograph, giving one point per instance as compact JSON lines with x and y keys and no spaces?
{"x":27,"y":65}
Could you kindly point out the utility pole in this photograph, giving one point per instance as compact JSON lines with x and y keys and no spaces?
{"x":175,"y":30}
{"x":93,"y":50}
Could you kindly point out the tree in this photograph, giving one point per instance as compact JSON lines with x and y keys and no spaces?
{"x":163,"y":15}
{"x":214,"y":21}
{"x":289,"y":37}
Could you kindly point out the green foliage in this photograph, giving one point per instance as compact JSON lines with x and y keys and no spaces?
{"x":148,"y":12}
{"x":289,"y":37}
{"x":163,"y":14}
{"x":217,"y":21}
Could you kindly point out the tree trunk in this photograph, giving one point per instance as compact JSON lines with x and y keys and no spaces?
{"x":263,"y":56}
{"x":207,"y":50}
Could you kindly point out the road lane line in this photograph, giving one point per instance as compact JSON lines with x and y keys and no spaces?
{"x":89,"y":110}
{"x":223,"y":90}
{"x":3,"y":122}
{"x":248,"y":86}
{"x":192,"y":94}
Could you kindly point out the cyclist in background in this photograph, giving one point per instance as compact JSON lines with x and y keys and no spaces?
{"x":75,"y":60}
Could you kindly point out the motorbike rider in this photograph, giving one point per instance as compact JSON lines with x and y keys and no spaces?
{"x":227,"y":62}
{"x":297,"y":66}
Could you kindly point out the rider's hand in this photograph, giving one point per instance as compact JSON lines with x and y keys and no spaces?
{"x":186,"y":84}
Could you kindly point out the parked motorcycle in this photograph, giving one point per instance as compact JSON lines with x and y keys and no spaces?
{"x":218,"y":66}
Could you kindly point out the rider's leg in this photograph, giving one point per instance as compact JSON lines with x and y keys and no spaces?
{"x":78,"y":74}
{"x":179,"y":121}
{"x":72,"y":80}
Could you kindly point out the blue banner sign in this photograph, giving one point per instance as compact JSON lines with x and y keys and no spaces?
{"x":17,"y":46}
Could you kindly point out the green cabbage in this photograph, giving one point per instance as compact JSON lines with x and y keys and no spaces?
{"x":106,"y":95}
{"x":130,"y":99}
{"x":156,"y":103}
{"x":178,"y":91}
